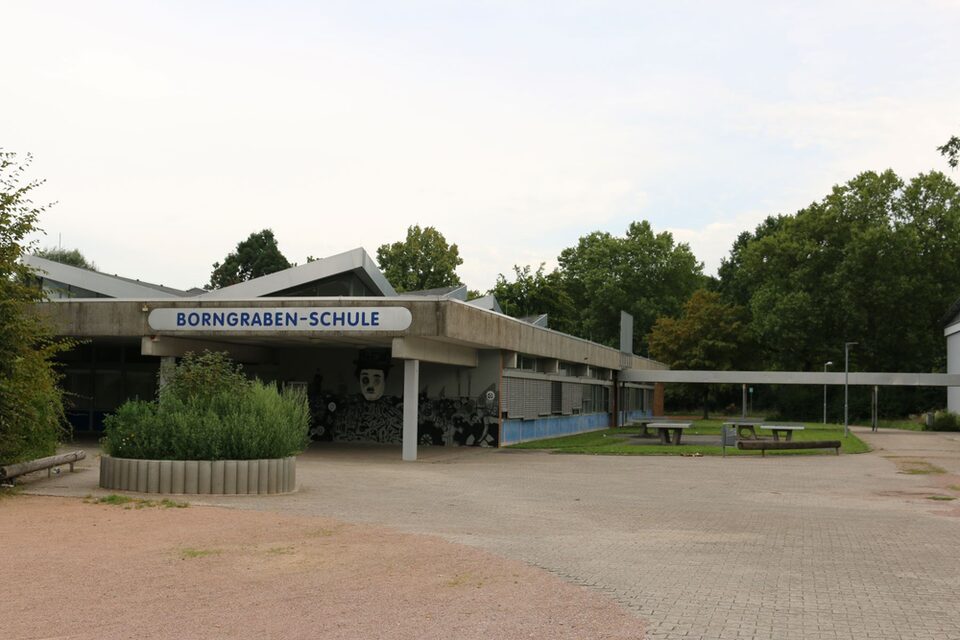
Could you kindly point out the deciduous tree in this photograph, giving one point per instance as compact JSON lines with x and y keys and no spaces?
{"x":256,"y":256}
{"x":876,"y":261}
{"x":533,"y":293}
{"x":72,"y":257}
{"x":644,"y":273}
{"x":31,"y":403}
{"x":709,"y":334}
{"x":951,"y":151}
{"x":424,"y":260}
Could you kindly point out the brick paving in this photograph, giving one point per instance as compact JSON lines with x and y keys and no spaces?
{"x":806,"y":547}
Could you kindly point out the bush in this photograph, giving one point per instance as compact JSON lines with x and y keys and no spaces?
{"x":31,"y":406}
{"x":944,"y":421}
{"x":31,"y":403}
{"x":209,"y":411}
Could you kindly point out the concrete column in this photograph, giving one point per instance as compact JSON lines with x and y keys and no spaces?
{"x":411,"y":400}
{"x":167,"y":365}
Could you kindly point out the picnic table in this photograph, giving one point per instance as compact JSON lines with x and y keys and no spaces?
{"x":746,"y":429}
{"x":646,"y":423}
{"x":664,"y":429}
{"x":782,"y":429}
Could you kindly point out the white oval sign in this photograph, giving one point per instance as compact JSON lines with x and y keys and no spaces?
{"x":266,"y":319}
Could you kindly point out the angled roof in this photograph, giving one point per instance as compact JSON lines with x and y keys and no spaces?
{"x":487,"y":302}
{"x":538,"y":320}
{"x":111,"y":286}
{"x":456,"y":292}
{"x":355,"y":260}
{"x":952,"y":315}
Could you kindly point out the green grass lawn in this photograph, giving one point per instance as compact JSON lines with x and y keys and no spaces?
{"x":911,"y":425}
{"x":618,"y":442}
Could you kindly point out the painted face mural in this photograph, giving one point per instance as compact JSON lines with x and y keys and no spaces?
{"x":371,"y":383}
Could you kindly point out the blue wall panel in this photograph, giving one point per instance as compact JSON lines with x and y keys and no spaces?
{"x":630,"y":416}
{"x":515,"y":431}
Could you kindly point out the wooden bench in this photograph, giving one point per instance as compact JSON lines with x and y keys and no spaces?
{"x":10,"y":471}
{"x":764,"y":445}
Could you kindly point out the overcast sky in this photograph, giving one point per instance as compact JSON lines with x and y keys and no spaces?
{"x":169,"y":131}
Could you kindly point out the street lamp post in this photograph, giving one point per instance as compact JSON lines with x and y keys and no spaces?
{"x":846,"y":390}
{"x":825,"y":365}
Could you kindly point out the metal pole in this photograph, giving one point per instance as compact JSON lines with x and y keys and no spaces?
{"x":846,"y":388}
{"x":743,"y":402}
{"x":825,"y":365}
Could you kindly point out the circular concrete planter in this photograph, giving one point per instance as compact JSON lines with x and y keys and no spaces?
{"x":219,"y":477}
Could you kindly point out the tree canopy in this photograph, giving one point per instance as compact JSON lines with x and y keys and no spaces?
{"x":533,"y":293}
{"x":951,"y":151}
{"x":424,"y":260}
{"x":643,"y":273}
{"x":72,"y":257}
{"x":256,"y":256}
{"x":877,"y":261}
{"x":709,"y":334}
{"x":31,"y":403}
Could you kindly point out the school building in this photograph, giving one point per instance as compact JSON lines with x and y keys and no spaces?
{"x":424,"y":367}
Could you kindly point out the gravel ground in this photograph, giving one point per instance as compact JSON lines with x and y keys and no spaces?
{"x":77,"y":569}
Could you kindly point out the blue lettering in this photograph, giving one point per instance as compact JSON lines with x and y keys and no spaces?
{"x":193,"y":319}
{"x":325,"y":318}
{"x":375,"y":318}
{"x":314,"y":318}
{"x":268,"y":319}
{"x":232,"y":319}
{"x":205,"y":318}
{"x":353,"y":319}
{"x":256,"y":320}
{"x":244,"y":319}
{"x":181,"y":318}
{"x":218,"y":319}
{"x":338,"y":317}
{"x":291,"y":320}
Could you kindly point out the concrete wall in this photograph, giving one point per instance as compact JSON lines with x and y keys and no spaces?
{"x":437,"y":380}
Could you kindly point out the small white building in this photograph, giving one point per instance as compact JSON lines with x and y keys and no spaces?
{"x":952,"y":332}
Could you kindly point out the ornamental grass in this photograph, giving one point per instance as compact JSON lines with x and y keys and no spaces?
{"x":208,"y":410}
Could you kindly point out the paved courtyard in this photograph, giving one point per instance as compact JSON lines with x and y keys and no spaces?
{"x":811,"y":547}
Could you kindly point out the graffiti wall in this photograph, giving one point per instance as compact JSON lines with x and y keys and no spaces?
{"x":443,"y":421}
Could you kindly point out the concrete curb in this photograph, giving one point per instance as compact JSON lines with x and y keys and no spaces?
{"x":218,"y":477}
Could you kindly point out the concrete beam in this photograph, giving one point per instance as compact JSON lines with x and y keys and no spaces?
{"x":412,"y":348}
{"x":165,"y":346}
{"x":793,"y":377}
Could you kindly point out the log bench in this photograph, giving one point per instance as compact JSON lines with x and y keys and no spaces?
{"x":11,"y":471}
{"x":772,"y":445}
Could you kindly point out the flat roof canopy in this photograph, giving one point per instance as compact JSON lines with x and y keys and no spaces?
{"x":793,"y":377}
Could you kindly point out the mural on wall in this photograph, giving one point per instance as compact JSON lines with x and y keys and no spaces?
{"x":371,"y":416}
{"x":373,"y":366}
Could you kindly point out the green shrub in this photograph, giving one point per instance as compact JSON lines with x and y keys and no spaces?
{"x":203,"y":375}
{"x":31,"y":406}
{"x":945,"y":421}
{"x":31,"y":403}
{"x":209,"y":411}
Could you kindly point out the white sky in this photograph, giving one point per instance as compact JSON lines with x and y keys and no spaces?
{"x":169,"y":131}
